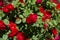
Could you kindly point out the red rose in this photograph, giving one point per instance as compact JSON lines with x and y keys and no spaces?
{"x":38,"y":1}
{"x":54,"y":1}
{"x":45,"y":26}
{"x":10,"y":7}
{"x":54,"y":31}
{"x":58,"y":7}
{"x":27,"y":38}
{"x":28,"y":20}
{"x":41,"y":9}
{"x":43,"y":18}
{"x":0,"y":8}
{"x":47,"y":14}
{"x":13,"y":29}
{"x":12,"y":34}
{"x":5,"y":9}
{"x":32,"y":18}
{"x":2,"y":25}
{"x":20,"y":36}
{"x":12,"y":26}
{"x":21,"y":1}
{"x":57,"y":37}
{"x":1,"y":3}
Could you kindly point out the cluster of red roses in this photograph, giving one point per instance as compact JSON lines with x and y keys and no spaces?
{"x":11,"y":26}
{"x":47,"y":15}
{"x":14,"y":31}
{"x":32,"y":18}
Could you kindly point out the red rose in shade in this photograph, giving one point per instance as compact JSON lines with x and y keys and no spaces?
{"x":28,"y":20}
{"x":1,"y":3}
{"x":32,"y":18}
{"x":43,"y":18}
{"x":54,"y":1}
{"x":58,"y":7}
{"x":41,"y":9}
{"x":49,"y":39}
{"x":10,"y":7}
{"x":45,"y":26}
{"x":27,"y":38}
{"x":38,"y":1}
{"x":21,"y":1}
{"x":0,"y":8}
{"x":54,"y":31}
{"x":47,"y":14}
{"x":20,"y":36}
{"x":2,"y":25}
{"x":5,"y":9}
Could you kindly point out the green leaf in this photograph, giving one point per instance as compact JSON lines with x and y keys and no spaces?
{"x":27,"y":12}
{"x":21,"y":16}
{"x":39,"y":20}
{"x":37,"y":25}
{"x":15,"y":3}
{"x":5,"y":37}
{"x":54,"y":22}
{"x":50,"y":23}
{"x":24,"y":20}
{"x":34,"y":37}
{"x":42,"y":30}
{"x":33,"y":1}
{"x":6,"y":21}
{"x":18,"y":21}
{"x":1,"y":14}
{"x":40,"y":14}
{"x":1,"y":39}
{"x":14,"y":37}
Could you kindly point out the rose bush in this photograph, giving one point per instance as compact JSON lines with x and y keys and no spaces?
{"x":29,"y":20}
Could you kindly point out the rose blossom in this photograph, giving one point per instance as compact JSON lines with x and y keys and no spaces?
{"x":57,"y":38}
{"x":14,"y":30}
{"x":38,"y":1}
{"x":32,"y":18}
{"x":54,"y":31}
{"x":58,"y":6}
{"x":2,"y":25}
{"x":20,"y":36}
{"x":1,"y":3}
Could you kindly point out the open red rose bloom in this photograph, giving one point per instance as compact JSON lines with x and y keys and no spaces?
{"x":29,"y":19}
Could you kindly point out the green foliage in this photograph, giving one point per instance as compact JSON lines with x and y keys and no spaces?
{"x":1,"y":14}
{"x":5,"y":37}
{"x":36,"y":30}
{"x":6,"y":21}
{"x":18,"y":21}
{"x":15,"y":3}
